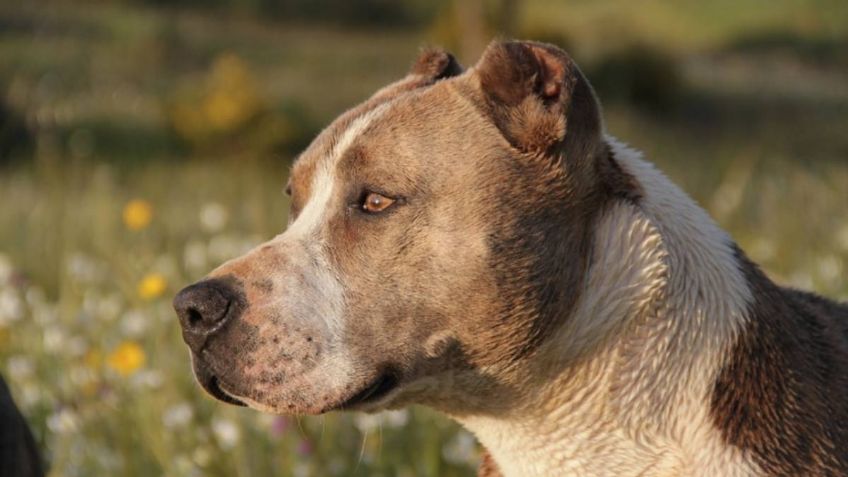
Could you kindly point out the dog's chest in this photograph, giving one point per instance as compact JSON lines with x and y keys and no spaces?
{"x":591,"y":449}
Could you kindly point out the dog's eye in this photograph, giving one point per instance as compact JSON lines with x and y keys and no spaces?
{"x":374,"y":202}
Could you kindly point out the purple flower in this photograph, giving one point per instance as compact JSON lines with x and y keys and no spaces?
{"x":304,"y":447}
{"x":279,"y":426}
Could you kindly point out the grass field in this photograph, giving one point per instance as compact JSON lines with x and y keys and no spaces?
{"x":158,"y":146}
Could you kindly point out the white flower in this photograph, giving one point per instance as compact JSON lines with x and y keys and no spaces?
{"x":54,"y":339}
{"x":34,"y":296}
{"x":367,"y":422}
{"x":301,"y":469}
{"x":194,"y":256}
{"x":178,"y":415}
{"x":223,"y":247}
{"x":19,"y":367}
{"x":65,"y":421}
{"x":109,"y":307}
{"x":461,"y":449}
{"x":31,"y":394}
{"x":801,"y":279}
{"x":11,"y":307}
{"x":227,"y":432}
{"x":134,"y":323}
{"x":82,"y":268}
{"x":396,"y":419}
{"x":213,"y":217}
{"x":148,"y":378}
{"x":830,"y":268}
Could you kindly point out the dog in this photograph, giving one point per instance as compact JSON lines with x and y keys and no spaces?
{"x":474,"y":241}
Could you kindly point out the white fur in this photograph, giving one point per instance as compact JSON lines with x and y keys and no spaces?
{"x":320,"y":295}
{"x":323,"y":294}
{"x":634,"y":367}
{"x":312,"y":216}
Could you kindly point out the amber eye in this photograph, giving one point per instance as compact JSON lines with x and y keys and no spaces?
{"x":374,"y":202}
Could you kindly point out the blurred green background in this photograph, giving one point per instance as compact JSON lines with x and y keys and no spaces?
{"x":143,"y":142}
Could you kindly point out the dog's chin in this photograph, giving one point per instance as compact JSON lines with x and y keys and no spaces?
{"x":210,"y":382}
{"x":371,"y":395}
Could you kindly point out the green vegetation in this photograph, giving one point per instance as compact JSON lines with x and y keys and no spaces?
{"x":143,"y":143}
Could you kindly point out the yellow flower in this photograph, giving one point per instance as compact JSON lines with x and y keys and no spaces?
{"x":137,"y":214}
{"x":127,"y":358}
{"x":152,"y":286}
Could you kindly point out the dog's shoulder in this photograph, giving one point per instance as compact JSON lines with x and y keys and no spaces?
{"x":780,"y":394}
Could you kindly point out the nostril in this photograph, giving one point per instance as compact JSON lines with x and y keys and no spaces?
{"x":194,"y":317}
{"x":204,"y":307}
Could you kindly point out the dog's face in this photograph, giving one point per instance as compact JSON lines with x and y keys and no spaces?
{"x":439,"y":232}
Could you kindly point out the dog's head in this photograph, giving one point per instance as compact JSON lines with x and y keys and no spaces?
{"x":439,"y":233}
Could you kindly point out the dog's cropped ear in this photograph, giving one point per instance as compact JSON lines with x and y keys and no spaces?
{"x":435,"y":64}
{"x":539,"y":99}
{"x":432,"y":65}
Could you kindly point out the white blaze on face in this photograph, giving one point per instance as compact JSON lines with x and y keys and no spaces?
{"x":323,"y":291}
{"x":308,"y":223}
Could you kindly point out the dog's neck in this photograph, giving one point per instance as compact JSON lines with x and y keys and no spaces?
{"x":623,"y":388}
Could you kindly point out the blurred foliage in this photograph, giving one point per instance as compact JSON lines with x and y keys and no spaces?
{"x":227,"y":114}
{"x":814,"y":50}
{"x":360,"y":13}
{"x":153,"y":141}
{"x":644,"y":77}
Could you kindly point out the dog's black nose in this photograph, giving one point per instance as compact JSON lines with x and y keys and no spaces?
{"x":204,"y":308}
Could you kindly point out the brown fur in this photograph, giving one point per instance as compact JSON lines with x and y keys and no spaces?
{"x":485,"y":221}
{"x":781,"y":395}
{"x":499,"y":177}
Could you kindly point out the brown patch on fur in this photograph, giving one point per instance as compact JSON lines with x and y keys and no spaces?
{"x":782,"y":393}
{"x":617,"y":182}
{"x":488,"y":467}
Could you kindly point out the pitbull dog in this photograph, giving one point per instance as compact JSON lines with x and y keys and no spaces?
{"x":475,"y":242}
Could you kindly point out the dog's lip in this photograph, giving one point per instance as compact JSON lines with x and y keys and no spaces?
{"x":378,"y":388}
{"x":212,"y":384}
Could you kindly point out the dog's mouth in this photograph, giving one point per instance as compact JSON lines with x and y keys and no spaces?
{"x":377,"y":389}
{"x":210,"y":382}
{"x":381,"y":386}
